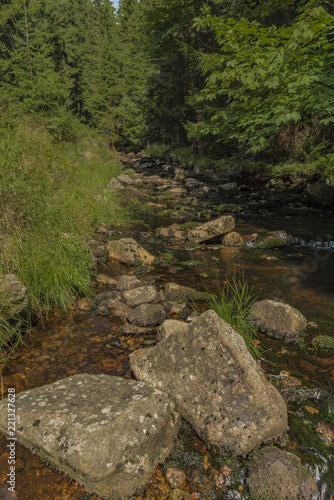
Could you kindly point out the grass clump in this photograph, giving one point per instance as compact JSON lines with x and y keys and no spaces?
{"x":233,"y":303}
{"x":53,"y":196}
{"x":323,"y":342}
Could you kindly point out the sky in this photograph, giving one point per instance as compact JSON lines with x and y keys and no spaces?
{"x":115,"y":2}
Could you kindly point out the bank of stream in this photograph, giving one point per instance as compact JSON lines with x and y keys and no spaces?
{"x":300,"y":273}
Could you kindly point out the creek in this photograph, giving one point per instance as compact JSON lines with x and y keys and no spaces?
{"x":301,"y":273}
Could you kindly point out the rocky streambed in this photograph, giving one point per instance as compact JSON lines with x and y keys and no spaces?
{"x":203,"y":419}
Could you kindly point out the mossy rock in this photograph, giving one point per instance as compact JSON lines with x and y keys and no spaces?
{"x":168,"y":257}
{"x":273,"y":242}
{"x":165,"y":213}
{"x":188,"y":225}
{"x":191,"y":245}
{"x":323,"y":341}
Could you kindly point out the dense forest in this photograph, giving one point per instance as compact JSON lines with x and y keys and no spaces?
{"x":226,"y":76}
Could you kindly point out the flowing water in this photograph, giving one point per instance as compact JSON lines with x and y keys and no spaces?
{"x":302,"y":274}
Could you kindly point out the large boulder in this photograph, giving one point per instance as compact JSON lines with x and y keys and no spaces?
{"x":14,"y":294}
{"x":171,"y":326}
{"x":128,"y":251}
{"x":278,"y":475}
{"x":105,"y":432}
{"x":215,"y":382}
{"x":211,"y":229}
{"x":142,"y":295}
{"x":278,"y":319}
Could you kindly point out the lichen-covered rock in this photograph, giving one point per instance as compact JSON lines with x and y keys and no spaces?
{"x":147,"y":315}
{"x":277,"y":475}
{"x":141,"y":295}
{"x":211,"y":229}
{"x":128,"y":251}
{"x":105,"y":432}
{"x":278,"y":319}
{"x":170,"y":327}
{"x":215,"y":382}
{"x":14,"y":294}
{"x":232,"y":239}
{"x":179,"y":292}
{"x":128,"y":283}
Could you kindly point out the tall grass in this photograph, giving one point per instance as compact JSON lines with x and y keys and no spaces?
{"x":232,"y":303}
{"x":52,"y":198}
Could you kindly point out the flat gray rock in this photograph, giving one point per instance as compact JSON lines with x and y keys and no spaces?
{"x":105,"y":432}
{"x":141,"y":295}
{"x":218,"y":387}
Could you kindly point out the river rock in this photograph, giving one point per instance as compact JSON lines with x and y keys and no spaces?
{"x":128,"y":251}
{"x":128,"y":283}
{"x":179,"y":292}
{"x":83,"y":304}
{"x":215,"y":382}
{"x":176,"y":478}
{"x":14,"y":294}
{"x":156,"y":180}
{"x":170,"y":327}
{"x":276,"y":474}
{"x":125,"y":179}
{"x":147,"y":315}
{"x":105,"y":432}
{"x":232,"y":239}
{"x":211,"y":229}
{"x":142,"y":295}
{"x":229,"y":186}
{"x":104,"y":279}
{"x":118,"y":308}
{"x":278,"y":319}
{"x":115,"y":185}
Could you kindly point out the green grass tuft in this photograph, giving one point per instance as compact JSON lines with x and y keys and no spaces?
{"x":233,"y":304}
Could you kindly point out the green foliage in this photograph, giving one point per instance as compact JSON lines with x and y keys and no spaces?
{"x":266,"y":80}
{"x":53,"y":198}
{"x":323,"y":342}
{"x":233,"y":304}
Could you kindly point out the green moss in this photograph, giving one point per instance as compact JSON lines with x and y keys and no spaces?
{"x":323,"y":342}
{"x":191,"y":245}
{"x":168,"y":257}
{"x":272,"y":242}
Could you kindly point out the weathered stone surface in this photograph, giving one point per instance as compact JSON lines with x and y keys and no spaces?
{"x":106,"y":280}
{"x":211,"y":229}
{"x":232,"y":239}
{"x":106,"y":432}
{"x":128,"y":283}
{"x":115,"y":185}
{"x":128,"y":251}
{"x":218,"y":387}
{"x":128,"y":329}
{"x":142,"y":295}
{"x":278,"y":319}
{"x":118,"y":308}
{"x":175,"y":477}
{"x":177,"y":292}
{"x":276,"y":474}
{"x":83,"y":305}
{"x":177,"y":191}
{"x":155,"y":180}
{"x":125,"y":179}
{"x":147,"y":315}
{"x":175,"y":307}
{"x":171,"y":327}
{"x":13,"y":293}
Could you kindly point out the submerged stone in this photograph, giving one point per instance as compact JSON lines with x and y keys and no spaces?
{"x":278,"y":475}
{"x":215,"y":382}
{"x":179,"y":292}
{"x":105,"y":432}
